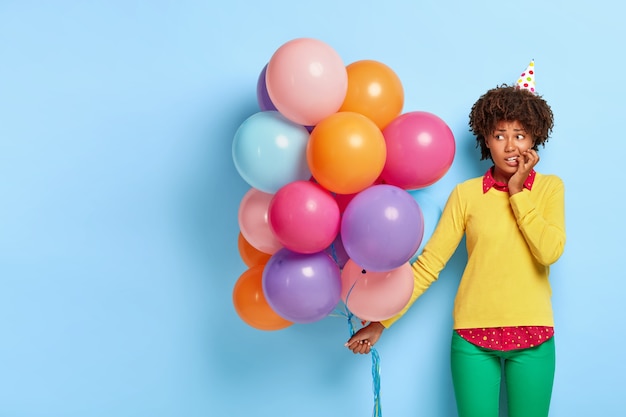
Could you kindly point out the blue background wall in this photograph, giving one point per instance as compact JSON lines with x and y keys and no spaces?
{"x":119,"y":198}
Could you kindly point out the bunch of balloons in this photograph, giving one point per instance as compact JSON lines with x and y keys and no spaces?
{"x":333,"y":165}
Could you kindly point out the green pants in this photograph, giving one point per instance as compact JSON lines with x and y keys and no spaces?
{"x":476,"y":374}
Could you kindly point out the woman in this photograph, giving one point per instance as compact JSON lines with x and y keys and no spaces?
{"x":514,"y":223}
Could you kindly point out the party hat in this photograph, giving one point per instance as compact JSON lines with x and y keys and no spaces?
{"x":526,"y":80}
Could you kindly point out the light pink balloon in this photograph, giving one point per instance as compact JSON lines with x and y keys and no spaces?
{"x":304,"y":217}
{"x":420,"y":150}
{"x":253,"y":221}
{"x":306,"y":80}
{"x":376,"y":296}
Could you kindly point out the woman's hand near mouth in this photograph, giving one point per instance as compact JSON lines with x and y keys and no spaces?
{"x":525,"y":163}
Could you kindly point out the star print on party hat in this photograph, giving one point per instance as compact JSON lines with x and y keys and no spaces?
{"x":526,"y":80}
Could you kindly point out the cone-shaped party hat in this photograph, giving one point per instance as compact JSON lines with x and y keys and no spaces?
{"x":526,"y":80}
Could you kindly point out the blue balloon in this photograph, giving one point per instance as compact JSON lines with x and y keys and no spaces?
{"x":269,"y":151}
{"x":431,"y":212}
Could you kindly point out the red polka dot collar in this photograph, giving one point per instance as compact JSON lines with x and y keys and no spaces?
{"x":489,"y":182}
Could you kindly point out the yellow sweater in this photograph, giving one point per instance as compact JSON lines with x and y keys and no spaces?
{"x":511,"y":243}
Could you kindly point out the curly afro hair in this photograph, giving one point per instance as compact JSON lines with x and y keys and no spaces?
{"x":509,"y":103}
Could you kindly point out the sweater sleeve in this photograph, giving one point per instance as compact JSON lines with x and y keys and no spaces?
{"x":543,"y":230}
{"x":437,"y":252}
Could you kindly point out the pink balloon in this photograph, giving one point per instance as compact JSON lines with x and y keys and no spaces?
{"x":253,"y":221}
{"x":376,"y":296}
{"x":306,"y":80}
{"x":304,"y":217}
{"x":420,"y":150}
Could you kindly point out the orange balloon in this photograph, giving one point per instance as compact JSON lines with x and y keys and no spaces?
{"x":251,"y":305}
{"x":375,"y":91}
{"x":346,"y":152}
{"x":250,"y":255}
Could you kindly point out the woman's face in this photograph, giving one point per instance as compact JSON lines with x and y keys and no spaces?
{"x":506,"y":144}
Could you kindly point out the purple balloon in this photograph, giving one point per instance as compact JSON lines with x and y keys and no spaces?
{"x":262,"y":96}
{"x":301,"y":288}
{"x":382,"y":227}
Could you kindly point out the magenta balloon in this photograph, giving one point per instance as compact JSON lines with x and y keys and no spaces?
{"x":301,"y":288}
{"x":382,"y":227}
{"x":304,"y":217}
{"x":262,"y":96}
{"x":420,"y":150}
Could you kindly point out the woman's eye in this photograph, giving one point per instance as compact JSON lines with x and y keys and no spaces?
{"x":520,"y":137}
{"x":499,"y":137}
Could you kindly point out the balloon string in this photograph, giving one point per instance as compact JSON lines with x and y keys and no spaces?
{"x":333,"y":253}
{"x":377,"y":412}
{"x":376,"y":383}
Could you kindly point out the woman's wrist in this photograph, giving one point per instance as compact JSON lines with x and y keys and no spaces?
{"x":378,"y":325}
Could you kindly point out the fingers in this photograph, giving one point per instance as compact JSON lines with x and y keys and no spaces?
{"x":360,"y":346}
{"x":352,"y":344}
{"x":526,"y":162}
{"x":364,"y":339}
{"x":530,"y":159}
{"x":535,"y":158}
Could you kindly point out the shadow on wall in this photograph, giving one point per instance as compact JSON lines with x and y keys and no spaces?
{"x":238,"y":356}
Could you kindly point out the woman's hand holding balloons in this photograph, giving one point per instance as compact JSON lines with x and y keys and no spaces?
{"x":365,"y":338}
